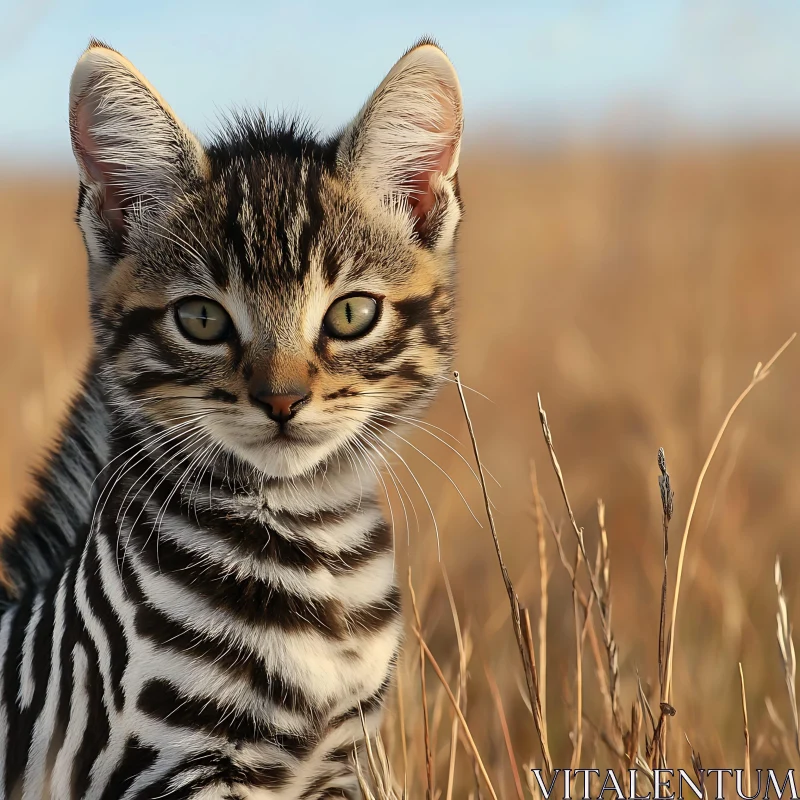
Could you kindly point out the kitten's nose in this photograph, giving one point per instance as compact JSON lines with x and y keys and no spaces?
{"x":280,"y":407}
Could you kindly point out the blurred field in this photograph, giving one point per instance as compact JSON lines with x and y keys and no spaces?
{"x":636,"y":291}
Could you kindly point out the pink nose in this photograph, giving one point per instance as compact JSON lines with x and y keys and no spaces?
{"x":279,"y":407}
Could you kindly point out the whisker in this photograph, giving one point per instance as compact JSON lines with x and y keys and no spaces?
{"x":363,"y":445}
{"x":159,"y":458}
{"x":166,"y":436}
{"x":409,"y":421}
{"x":447,"y":379}
{"x":428,"y":458}
{"x":190,"y":443}
{"x":419,"y":486}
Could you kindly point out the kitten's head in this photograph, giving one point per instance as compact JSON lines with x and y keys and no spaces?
{"x":278,"y":297}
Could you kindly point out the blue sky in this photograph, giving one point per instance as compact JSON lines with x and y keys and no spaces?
{"x":530,"y":70}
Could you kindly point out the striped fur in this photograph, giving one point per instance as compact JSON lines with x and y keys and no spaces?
{"x":57,"y":516}
{"x":217,"y":616}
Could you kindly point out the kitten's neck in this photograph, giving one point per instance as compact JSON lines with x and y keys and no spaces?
{"x":152,"y":495}
{"x":314,"y":554}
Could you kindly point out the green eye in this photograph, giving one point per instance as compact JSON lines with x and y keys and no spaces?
{"x":351,"y":316}
{"x":203,"y":320}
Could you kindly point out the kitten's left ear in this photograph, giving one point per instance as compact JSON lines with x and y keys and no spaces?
{"x":402,"y":149}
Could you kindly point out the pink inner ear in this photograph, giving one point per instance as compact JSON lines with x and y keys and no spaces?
{"x":99,"y":172}
{"x":421,"y":197}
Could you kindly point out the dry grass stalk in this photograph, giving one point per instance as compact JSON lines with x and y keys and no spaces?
{"x":439,"y":704}
{"x":498,"y":702}
{"x":544,"y":581}
{"x":785,"y":739}
{"x":402,"y":715}
{"x":530,"y":781}
{"x":645,"y":704}
{"x":603,"y":601}
{"x":608,"y":684}
{"x":464,"y":652}
{"x":382,"y":784}
{"x":788,"y":658}
{"x":667,"y":505}
{"x":577,"y":740}
{"x":366,"y":792}
{"x":426,"y":725}
{"x":512,"y":595}
{"x":548,"y":437}
{"x":759,"y":374}
{"x":632,"y":744}
{"x":639,"y":762}
{"x":607,"y":677}
{"x":747,"y":776}
{"x":540,"y":723}
{"x":603,"y":571}
{"x":461,"y":719}
{"x":699,"y":771}
{"x":659,"y":758}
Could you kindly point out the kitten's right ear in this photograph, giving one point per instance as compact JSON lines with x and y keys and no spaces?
{"x":133,"y":154}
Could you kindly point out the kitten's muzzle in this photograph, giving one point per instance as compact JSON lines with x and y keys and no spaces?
{"x":280,"y":407}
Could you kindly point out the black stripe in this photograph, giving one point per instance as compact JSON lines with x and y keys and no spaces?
{"x":313,"y":224}
{"x":171,"y":787}
{"x":231,"y":230}
{"x":259,"y":602}
{"x":153,"y":379}
{"x":136,"y":758}
{"x":221,"y":394}
{"x":375,"y":616}
{"x":163,"y":701}
{"x":69,"y":638}
{"x":21,"y":722}
{"x":251,"y":537}
{"x":11,"y":683}
{"x":109,"y":622}
{"x":238,"y":660}
{"x":221,"y":769}
{"x":322,"y":780}
{"x":97,"y":717}
{"x":252,"y":601}
{"x":420,"y":312}
{"x":130,"y":325}
{"x":171,"y":355}
{"x":331,"y":267}
{"x":263,"y":542}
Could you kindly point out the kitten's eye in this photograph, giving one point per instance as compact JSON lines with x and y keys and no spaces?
{"x":203,"y":320}
{"x":351,"y":316}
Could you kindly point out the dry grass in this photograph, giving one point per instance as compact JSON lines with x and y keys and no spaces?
{"x":635,"y":292}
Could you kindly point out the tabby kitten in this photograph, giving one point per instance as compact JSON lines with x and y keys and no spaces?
{"x":265,"y":310}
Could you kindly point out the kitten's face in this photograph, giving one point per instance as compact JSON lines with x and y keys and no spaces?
{"x":289,"y":300}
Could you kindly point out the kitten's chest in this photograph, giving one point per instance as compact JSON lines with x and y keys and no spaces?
{"x":337,"y":625}
{"x":332,"y":651}
{"x":343,"y":681}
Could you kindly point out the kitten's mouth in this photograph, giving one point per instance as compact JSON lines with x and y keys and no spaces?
{"x":286,"y":436}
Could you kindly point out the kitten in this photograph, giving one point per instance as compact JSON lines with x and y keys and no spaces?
{"x":266,"y":309}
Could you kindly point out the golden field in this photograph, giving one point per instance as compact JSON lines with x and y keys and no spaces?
{"x":635,"y":291}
